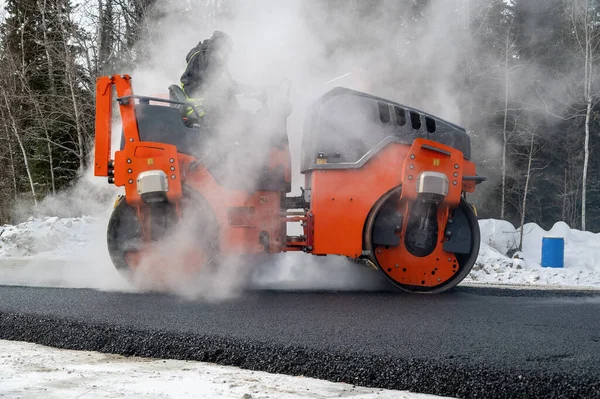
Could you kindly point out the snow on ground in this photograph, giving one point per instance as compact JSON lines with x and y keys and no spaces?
{"x":581,"y":256}
{"x":32,"y":371}
{"x":45,"y":237}
{"x":58,"y":252}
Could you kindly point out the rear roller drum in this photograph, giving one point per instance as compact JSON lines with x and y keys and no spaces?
{"x":415,"y":260}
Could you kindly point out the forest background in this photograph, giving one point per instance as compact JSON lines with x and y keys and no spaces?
{"x":520,"y":75}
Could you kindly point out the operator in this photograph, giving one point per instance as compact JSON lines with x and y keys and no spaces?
{"x":206,"y":81}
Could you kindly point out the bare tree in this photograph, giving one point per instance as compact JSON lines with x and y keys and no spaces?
{"x":71,"y":76}
{"x":106,"y":32}
{"x":15,"y":131}
{"x":10,"y":153}
{"x":587,"y":37}
{"x":43,"y":122}
{"x":507,"y":49}
{"x":531,"y":154}
{"x":41,"y":4}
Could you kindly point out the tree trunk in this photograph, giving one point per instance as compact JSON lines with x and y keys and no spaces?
{"x":42,"y":8}
{"x":12,"y":167}
{"x":20,"y":142}
{"x":70,"y":76}
{"x":504,"y":132}
{"x":39,"y":111}
{"x":10,"y":153}
{"x":524,"y":204}
{"x":80,"y":141}
{"x":588,"y":99}
{"x":585,"y":163}
{"x":564,"y":206}
{"x":48,"y":141}
{"x":105,"y":34}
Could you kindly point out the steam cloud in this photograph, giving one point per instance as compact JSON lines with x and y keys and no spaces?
{"x":297,"y":40}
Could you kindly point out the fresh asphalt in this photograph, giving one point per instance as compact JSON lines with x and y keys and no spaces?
{"x":471,"y":342}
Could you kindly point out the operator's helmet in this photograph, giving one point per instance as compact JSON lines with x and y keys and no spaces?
{"x":222,"y":41}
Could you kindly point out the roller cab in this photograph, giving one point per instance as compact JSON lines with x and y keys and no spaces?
{"x":388,"y":183}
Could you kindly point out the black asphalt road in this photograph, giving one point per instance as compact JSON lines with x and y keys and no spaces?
{"x":484,"y":343}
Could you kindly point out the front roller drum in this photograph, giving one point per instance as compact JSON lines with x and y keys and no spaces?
{"x":431,"y":266}
{"x":162,"y":245}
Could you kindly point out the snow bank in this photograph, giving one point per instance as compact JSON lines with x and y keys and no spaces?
{"x":49,"y":236}
{"x":499,"y":234}
{"x":499,"y":237}
{"x":61,"y":252}
{"x":582,"y":248}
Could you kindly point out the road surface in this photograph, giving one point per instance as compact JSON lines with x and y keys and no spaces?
{"x":471,"y":342}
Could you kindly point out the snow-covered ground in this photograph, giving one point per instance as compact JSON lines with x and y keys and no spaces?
{"x":55,"y":251}
{"x":34,"y":371}
{"x":581,"y":257}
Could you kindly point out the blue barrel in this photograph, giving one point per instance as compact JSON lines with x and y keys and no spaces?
{"x":553,"y":252}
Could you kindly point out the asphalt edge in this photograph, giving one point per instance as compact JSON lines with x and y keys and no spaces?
{"x":416,"y":375}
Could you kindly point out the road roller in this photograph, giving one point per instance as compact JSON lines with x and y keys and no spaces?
{"x":383,"y":184}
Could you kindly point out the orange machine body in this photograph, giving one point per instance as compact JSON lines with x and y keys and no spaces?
{"x":336,"y":220}
{"x":342,"y":199}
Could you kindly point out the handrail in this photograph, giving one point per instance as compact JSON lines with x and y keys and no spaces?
{"x":477,"y":179}
{"x":146,"y":99}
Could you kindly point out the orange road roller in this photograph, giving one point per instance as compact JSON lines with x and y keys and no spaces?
{"x":384,"y":184}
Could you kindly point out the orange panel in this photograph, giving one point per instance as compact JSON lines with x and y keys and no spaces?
{"x":342,"y":199}
{"x":237,"y":240}
{"x":423,"y":158}
{"x":103,"y":125}
{"x":136,"y":158}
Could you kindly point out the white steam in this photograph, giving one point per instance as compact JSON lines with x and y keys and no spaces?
{"x":296,"y":41}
